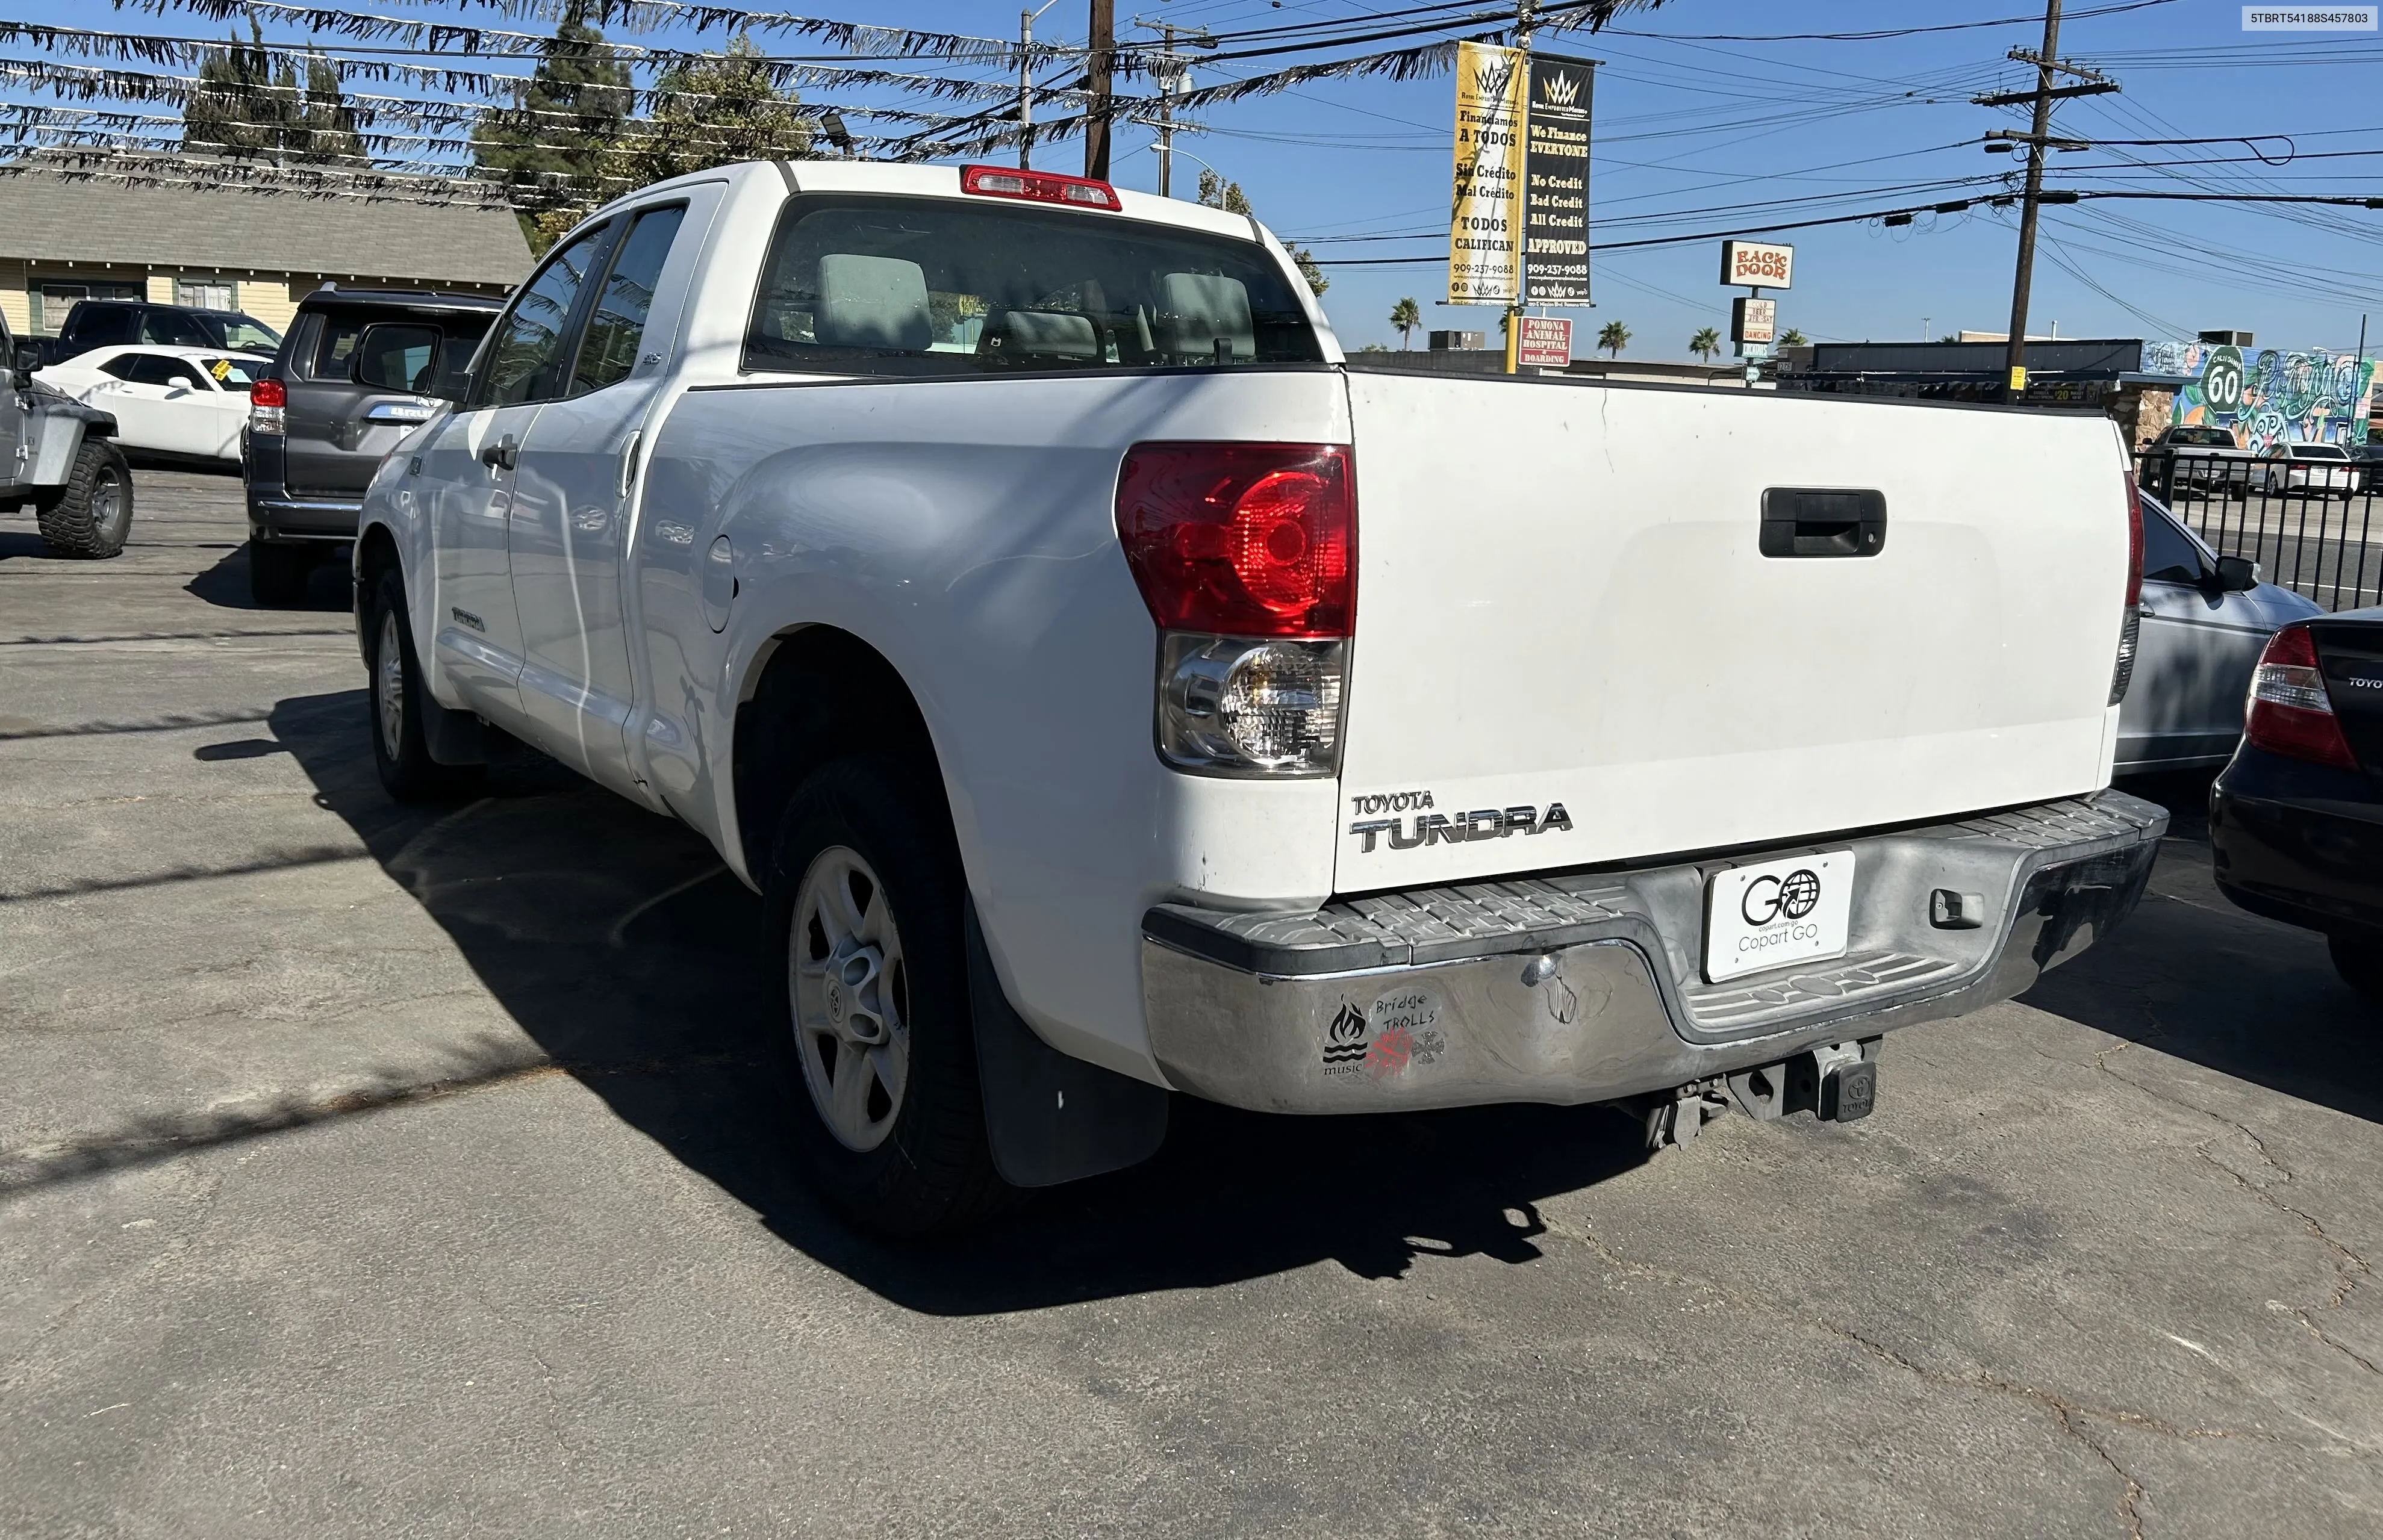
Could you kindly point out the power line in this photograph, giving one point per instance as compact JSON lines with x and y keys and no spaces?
{"x":1905,"y":214}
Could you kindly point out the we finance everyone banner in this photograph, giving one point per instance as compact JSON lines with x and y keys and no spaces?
{"x":1555,"y":181}
{"x":1484,"y":224}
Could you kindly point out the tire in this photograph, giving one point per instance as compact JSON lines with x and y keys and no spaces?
{"x":276,"y":574}
{"x":93,"y":515}
{"x":872,"y":1043}
{"x":394,"y":703}
{"x":2358,"y":957}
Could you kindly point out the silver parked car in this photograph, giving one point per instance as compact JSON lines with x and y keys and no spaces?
{"x":2204,"y":620}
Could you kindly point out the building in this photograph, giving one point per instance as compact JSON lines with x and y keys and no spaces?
{"x":71,"y":228}
{"x":2263,"y":395}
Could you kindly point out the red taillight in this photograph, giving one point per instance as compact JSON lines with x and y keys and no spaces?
{"x":1242,"y":539}
{"x":1038,"y":186}
{"x":2290,"y":712}
{"x":2134,"y":541}
{"x":268,"y":393}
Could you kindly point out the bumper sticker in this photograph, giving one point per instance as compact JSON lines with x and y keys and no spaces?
{"x":1387,"y":1040}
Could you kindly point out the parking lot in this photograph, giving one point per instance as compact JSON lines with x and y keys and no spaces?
{"x":370,"y":1169}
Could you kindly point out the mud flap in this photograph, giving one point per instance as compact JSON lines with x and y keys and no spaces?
{"x":451,"y":737}
{"x":1050,"y":1119}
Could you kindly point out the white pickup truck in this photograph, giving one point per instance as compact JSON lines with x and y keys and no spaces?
{"x":1114,"y":690}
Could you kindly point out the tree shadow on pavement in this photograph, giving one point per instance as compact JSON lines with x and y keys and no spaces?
{"x":225,"y":585}
{"x":2192,"y":976}
{"x":629,"y":955}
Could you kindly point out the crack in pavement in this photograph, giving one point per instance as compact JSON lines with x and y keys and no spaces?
{"x":2351,"y":1270}
{"x":2070,"y":1416}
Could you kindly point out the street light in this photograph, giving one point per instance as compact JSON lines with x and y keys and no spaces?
{"x":1026,"y":84}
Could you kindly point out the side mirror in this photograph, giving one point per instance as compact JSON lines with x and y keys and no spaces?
{"x":2237,"y":574}
{"x":27,"y":358}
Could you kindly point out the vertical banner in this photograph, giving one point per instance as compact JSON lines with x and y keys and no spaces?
{"x":1485,"y":222}
{"x":1555,"y":181}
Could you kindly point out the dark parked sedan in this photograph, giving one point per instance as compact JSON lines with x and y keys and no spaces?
{"x":2296,"y":819}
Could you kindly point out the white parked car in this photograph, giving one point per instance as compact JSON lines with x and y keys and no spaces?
{"x":1114,"y":689}
{"x":191,"y":402}
{"x":2320,"y":470}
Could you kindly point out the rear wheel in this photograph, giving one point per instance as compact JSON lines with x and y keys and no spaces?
{"x":874,"y":1049}
{"x":407,"y":771}
{"x":91,"y":516}
{"x":2358,"y":957}
{"x":276,"y":574}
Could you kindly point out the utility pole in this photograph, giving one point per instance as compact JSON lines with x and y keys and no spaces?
{"x":1026,"y":84}
{"x":1097,"y":67}
{"x":1521,"y":243}
{"x":2039,"y":139}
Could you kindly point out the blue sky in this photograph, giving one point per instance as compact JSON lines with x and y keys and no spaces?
{"x":1686,"y":122}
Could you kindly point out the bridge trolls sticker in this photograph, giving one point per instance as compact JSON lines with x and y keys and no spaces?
{"x":1395,"y":1036}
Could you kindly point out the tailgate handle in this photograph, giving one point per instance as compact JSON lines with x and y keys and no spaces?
{"x":1822,"y":521}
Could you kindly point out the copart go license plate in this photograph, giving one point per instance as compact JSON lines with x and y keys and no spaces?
{"x":1793,"y":910}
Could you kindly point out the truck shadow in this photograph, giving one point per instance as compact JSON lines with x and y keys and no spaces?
{"x":225,"y":585}
{"x":2192,"y":976}
{"x":627,"y":954}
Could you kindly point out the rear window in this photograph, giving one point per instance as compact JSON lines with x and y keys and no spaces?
{"x":2201,"y":437}
{"x":336,"y":346}
{"x":2319,"y":451}
{"x":919,"y":286}
{"x":327,"y":344}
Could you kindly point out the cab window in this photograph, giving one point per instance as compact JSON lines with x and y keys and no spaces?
{"x":858,"y":285}
{"x":617,"y":328}
{"x":171,"y":328}
{"x":528,"y":355}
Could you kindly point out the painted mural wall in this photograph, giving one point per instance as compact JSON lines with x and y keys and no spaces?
{"x":2266,"y":395}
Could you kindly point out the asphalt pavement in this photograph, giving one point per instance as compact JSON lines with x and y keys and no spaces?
{"x":376,"y":1170}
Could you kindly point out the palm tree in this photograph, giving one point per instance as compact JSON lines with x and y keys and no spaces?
{"x":1705,"y":343}
{"x":1791,"y":338}
{"x":1406,"y":315}
{"x":1614,"y":336}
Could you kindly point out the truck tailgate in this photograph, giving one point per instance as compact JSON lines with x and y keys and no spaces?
{"x":1562,"y":599}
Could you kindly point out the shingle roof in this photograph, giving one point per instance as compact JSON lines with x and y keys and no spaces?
{"x":47,"y":216}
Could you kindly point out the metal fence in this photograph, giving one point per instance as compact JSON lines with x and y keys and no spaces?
{"x":2311,"y":526}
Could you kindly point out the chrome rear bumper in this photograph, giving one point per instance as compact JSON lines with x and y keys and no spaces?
{"x":1585,"y":988}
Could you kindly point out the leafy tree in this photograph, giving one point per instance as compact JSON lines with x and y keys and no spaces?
{"x":553,"y":148}
{"x":243,"y":104}
{"x":1704,"y":344}
{"x":1217,"y":192}
{"x":247,"y":105}
{"x":724,"y":107}
{"x":1614,"y":336}
{"x":328,"y":122}
{"x":1791,"y":338}
{"x":1406,"y":315}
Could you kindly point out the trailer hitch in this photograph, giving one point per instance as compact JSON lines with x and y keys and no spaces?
{"x":1835,"y":1082}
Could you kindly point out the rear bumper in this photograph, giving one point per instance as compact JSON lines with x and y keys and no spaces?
{"x":1587,"y":987}
{"x":2299,"y":842}
{"x":278,"y":516}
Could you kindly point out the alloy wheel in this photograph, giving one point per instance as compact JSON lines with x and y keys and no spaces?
{"x":389,"y":686}
{"x":850,"y":993}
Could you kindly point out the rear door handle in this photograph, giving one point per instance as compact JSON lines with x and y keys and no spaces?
{"x":629,"y":461}
{"x":502,"y":454}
